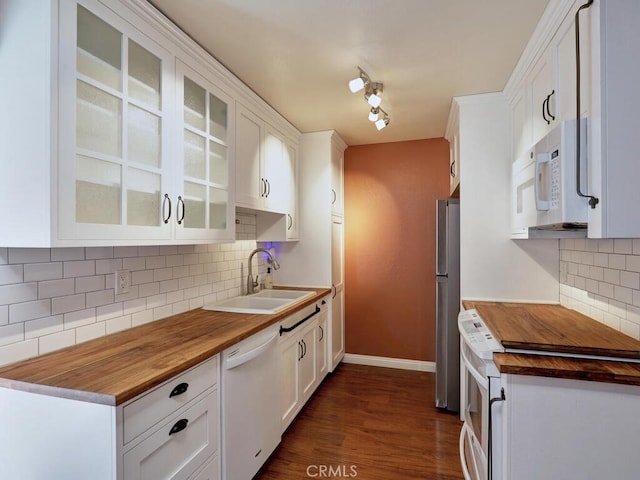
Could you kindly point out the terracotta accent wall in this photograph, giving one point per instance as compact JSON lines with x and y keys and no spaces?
{"x":390,"y":192}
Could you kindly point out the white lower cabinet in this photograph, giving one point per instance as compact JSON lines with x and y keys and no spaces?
{"x":303,"y":360}
{"x":173,"y":429}
{"x":169,"y":432}
{"x":179,"y":446}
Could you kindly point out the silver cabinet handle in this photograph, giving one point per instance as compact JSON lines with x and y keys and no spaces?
{"x":166,"y":201}
{"x":181,"y":202}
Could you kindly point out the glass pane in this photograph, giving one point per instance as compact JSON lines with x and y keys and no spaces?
{"x":98,"y":191}
{"x":217,"y":117}
{"x":195,"y":203}
{"x":143,"y":198}
{"x":194,"y":104}
{"x":218,"y":164}
{"x":194,"y":155}
{"x":143,"y":141}
{"x":98,"y":120}
{"x":218,"y":208}
{"x":144,"y":75}
{"x":99,"y":54}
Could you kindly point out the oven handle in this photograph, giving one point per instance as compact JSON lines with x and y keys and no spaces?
{"x":463,"y":461}
{"x":483,"y":382}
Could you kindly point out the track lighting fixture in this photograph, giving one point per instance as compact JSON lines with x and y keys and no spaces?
{"x":372,"y":94}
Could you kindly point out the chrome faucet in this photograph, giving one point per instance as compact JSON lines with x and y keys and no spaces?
{"x":272,"y":261}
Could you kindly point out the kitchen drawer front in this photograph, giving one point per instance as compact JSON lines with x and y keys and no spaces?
{"x":146,"y":411}
{"x":176,"y":456}
{"x":210,"y":472}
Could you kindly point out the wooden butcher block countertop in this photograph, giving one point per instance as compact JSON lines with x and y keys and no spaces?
{"x":558,"y":330}
{"x":114,"y":369}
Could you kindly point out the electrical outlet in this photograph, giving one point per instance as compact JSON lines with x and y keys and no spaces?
{"x":123,"y":281}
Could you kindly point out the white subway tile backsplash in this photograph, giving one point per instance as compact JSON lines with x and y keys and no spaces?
{"x":69,"y":303}
{"x":21,"y":292}
{"x":56,"y":341}
{"x":89,"y":332}
{"x":108,"y":266}
{"x":617,"y":261}
{"x":11,"y":274}
{"x":614,"y":264}
{"x":67,"y":254}
{"x":79,"y":268}
{"x":36,"y":272}
{"x":99,"y":253}
{"x":622,"y":245}
{"x":21,"y":312}
{"x":15,"y":352}
{"x":29,"y":255}
{"x":56,"y":288}
{"x":11,"y":333}
{"x":52,"y":298}
{"x":43,"y":326}
{"x":79,"y":318}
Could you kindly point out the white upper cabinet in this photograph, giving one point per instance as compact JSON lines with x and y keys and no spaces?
{"x":114,"y":98}
{"x":205,"y":207}
{"x":265,"y":168}
{"x":546,"y":77}
{"x":267,"y":176}
{"x":117,"y":129}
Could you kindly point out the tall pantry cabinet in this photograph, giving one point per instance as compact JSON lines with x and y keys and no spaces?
{"x":318,"y":258}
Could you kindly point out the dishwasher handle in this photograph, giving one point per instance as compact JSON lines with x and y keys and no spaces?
{"x":251,"y":354}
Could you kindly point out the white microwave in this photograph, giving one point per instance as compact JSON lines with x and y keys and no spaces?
{"x":545,"y":197}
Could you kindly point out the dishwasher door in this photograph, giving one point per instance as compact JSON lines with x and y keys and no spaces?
{"x":251,"y":404}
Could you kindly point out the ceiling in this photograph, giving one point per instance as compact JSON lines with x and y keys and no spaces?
{"x":298,"y":55}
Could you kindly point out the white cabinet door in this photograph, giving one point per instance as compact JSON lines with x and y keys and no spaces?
{"x":205,"y":207}
{"x":308,"y":371}
{"x":565,"y":51}
{"x":542,"y":94}
{"x":337,"y":178}
{"x":322,"y":336}
{"x":114,"y":167}
{"x":337,"y":301}
{"x":290,"y":351}
{"x":292,"y":220}
{"x":250,"y":185}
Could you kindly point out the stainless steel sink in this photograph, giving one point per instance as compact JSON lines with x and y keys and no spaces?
{"x":264,"y":302}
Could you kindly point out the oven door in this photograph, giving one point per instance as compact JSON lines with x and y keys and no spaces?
{"x":475,"y":407}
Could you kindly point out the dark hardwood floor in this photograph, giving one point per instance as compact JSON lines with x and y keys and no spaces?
{"x":369,"y":423}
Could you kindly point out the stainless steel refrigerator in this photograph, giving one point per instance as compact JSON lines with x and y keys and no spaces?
{"x":447,"y":304}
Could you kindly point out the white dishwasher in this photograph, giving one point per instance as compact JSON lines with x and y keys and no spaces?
{"x":250,"y":389}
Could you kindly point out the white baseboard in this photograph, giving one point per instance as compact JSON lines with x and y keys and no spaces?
{"x":418,"y":365}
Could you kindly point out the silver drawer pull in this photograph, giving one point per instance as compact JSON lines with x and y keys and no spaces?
{"x":179,"y":426}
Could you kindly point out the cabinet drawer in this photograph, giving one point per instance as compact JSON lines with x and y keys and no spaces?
{"x":146,"y":411}
{"x":176,"y":456}
{"x":210,"y":472}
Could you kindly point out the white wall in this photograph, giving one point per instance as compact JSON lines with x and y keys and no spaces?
{"x":492,"y":266}
{"x":52,"y":298}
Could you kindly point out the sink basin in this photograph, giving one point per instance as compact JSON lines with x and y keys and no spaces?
{"x":264,"y":302}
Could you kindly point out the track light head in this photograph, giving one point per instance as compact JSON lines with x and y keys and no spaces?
{"x":383,"y":122}
{"x":374,"y":113}
{"x":360,"y":82}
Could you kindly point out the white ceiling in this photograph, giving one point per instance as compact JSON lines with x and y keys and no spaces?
{"x":299,"y":55}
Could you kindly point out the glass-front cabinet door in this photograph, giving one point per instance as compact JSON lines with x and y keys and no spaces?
{"x":113,"y":177}
{"x":204,"y":207}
